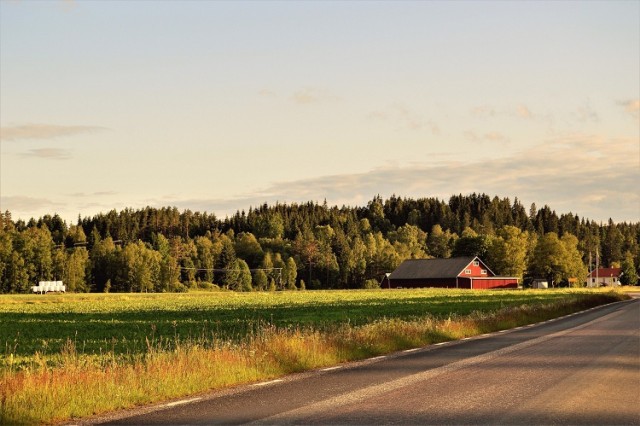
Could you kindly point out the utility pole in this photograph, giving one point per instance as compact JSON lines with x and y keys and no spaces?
{"x":590,"y":270}
{"x":597,"y":267}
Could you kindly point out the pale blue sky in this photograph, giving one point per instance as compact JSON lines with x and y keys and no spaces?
{"x":217,"y":106}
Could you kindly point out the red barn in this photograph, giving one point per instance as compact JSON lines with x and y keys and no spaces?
{"x":456,"y":272}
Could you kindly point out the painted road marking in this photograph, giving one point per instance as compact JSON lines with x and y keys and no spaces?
{"x":331,"y":368}
{"x":181,"y":402}
{"x":269,"y":382}
{"x":411,"y":350}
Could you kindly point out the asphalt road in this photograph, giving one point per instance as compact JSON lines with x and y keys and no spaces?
{"x":581,"y":369}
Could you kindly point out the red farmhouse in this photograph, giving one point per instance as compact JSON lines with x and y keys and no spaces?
{"x":456,"y":272}
{"x":604,"y":277}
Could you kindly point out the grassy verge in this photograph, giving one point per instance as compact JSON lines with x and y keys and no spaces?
{"x":80,"y":384}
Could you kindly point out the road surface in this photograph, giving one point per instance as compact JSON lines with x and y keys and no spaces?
{"x":581,"y":369}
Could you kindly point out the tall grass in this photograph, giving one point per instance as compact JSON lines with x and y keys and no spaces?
{"x":80,"y":386}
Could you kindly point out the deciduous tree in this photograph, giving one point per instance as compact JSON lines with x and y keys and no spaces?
{"x":629,"y":273}
{"x":440,"y":243}
{"x":507,"y":252}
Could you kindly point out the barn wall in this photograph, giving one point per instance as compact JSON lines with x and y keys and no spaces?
{"x":479,"y":283}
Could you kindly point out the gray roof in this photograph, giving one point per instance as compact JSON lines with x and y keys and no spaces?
{"x":431,"y":268}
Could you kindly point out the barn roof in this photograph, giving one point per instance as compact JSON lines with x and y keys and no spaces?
{"x":605,"y":272}
{"x":431,"y":268}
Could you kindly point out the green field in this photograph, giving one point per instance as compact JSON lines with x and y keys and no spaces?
{"x":126,"y":324}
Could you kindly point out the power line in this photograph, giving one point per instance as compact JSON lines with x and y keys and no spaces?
{"x":278,"y":270}
{"x":185,"y":268}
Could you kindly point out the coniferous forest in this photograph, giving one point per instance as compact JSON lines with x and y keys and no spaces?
{"x":307,"y":246}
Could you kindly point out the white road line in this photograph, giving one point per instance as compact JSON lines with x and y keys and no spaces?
{"x":269,"y":382}
{"x":411,"y":350}
{"x":181,"y":402}
{"x":440,"y":344}
{"x":377,"y":357}
{"x":331,"y":368}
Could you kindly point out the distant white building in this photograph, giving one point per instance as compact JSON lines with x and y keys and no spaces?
{"x":604,"y":277}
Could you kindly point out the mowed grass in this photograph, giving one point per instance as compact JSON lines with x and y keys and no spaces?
{"x":72,"y":356}
{"x":125,"y":324}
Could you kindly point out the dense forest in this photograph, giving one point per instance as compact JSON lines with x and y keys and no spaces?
{"x":310,"y":245}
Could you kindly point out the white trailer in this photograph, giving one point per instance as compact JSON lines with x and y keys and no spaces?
{"x":540,"y":283}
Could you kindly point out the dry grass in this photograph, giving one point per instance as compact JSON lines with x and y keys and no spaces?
{"x":83,"y":386}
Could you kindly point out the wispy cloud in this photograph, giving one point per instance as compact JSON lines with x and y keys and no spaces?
{"x":586,"y":113}
{"x":311,"y":95}
{"x":266,"y":93}
{"x":28,"y":205}
{"x":69,"y":5}
{"x":523,"y":111}
{"x":92,"y":194}
{"x":520,"y":111}
{"x":588,"y":175}
{"x":631,"y":106}
{"x":592,"y":176}
{"x":43,"y":131}
{"x":404,"y":118}
{"x":495,"y":137}
{"x":48,"y":153}
{"x":485,"y":137}
{"x":483,"y":111}
{"x":303,"y":96}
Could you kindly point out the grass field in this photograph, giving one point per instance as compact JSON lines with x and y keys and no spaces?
{"x":75,"y":355}
{"x":125,"y":324}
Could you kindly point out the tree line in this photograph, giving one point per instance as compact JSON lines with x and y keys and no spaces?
{"x":309,"y":245}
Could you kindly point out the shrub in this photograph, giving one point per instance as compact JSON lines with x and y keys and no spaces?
{"x":371,"y":284}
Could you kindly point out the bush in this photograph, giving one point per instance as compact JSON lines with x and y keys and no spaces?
{"x":371,"y":284}
{"x":205,"y":285}
{"x":178,"y":287}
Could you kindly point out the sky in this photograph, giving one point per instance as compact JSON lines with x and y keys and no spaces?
{"x":219,"y":106}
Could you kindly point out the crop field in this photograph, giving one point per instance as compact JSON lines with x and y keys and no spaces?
{"x":128,"y":324}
